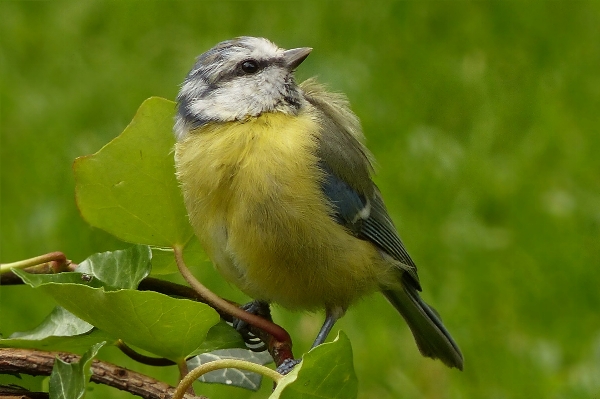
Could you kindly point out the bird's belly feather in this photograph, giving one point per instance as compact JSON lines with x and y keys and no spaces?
{"x":253,"y":195}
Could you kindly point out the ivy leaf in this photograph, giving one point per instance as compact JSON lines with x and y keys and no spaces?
{"x":163,"y":259}
{"x":229,"y":376}
{"x":129,"y":189}
{"x":59,"y":331}
{"x":69,"y":380}
{"x":326,"y":372}
{"x":168,"y":327}
{"x":74,"y":343}
{"x":119,"y":269}
{"x":59,"y":323}
{"x":60,"y":278}
{"x":221,"y":336}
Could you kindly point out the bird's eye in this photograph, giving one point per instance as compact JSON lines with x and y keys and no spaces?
{"x":250,"y":66}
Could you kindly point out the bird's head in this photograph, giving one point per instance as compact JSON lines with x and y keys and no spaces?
{"x":238,"y":79}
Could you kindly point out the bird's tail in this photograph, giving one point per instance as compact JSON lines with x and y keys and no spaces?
{"x":426,"y":325}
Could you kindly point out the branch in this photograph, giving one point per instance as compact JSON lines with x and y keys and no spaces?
{"x":36,"y":362}
{"x":16,"y":392}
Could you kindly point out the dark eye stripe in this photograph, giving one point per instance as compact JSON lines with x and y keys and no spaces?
{"x":232,"y":71}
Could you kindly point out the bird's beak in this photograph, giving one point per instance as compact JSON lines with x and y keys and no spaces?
{"x":295,"y":56}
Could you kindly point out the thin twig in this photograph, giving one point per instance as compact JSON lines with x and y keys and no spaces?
{"x":178,"y":290}
{"x":223,"y":364}
{"x":279,"y":350}
{"x":53,"y":259}
{"x":183,"y":372}
{"x":218,"y":303}
{"x":138,"y":357}
{"x":56,"y":263}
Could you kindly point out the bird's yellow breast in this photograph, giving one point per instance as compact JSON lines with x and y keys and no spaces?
{"x":252,"y":191}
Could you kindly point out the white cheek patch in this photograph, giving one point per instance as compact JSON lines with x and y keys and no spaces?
{"x":241,"y":97}
{"x":215,"y":107}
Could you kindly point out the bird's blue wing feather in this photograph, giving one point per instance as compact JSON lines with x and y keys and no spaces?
{"x":365,"y":217}
{"x":347,"y":202}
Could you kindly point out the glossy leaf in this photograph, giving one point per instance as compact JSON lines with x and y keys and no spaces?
{"x":61,"y":278}
{"x":129,"y":189}
{"x":163,"y":260}
{"x":60,"y":323}
{"x":221,"y":336}
{"x":326,"y":372}
{"x":59,"y":331}
{"x":230,"y":376}
{"x":169,"y":327}
{"x":69,"y":380}
{"x":74,"y":344}
{"x":119,"y":269}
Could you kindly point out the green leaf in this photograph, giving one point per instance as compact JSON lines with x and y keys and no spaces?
{"x":129,"y":189}
{"x":119,"y":269}
{"x":221,"y":336}
{"x":163,"y":259}
{"x":169,"y":327}
{"x":75,"y":344}
{"x":231,"y":376}
{"x":59,"y":323}
{"x":59,"y":331}
{"x":35,"y":280}
{"x":69,"y":380}
{"x":326,"y":372}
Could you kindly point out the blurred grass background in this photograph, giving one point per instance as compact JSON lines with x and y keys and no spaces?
{"x":483,"y":117}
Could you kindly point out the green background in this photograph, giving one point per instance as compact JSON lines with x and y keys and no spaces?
{"x":484,"y":120}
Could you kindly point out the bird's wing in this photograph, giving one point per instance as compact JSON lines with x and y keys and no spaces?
{"x":346,"y":178}
{"x":366,"y":218}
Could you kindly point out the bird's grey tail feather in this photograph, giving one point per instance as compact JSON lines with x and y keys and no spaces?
{"x":430,"y":334}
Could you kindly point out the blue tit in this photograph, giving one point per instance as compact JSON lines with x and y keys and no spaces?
{"x":277,"y":183}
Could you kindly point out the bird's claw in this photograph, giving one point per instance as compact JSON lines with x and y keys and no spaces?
{"x":287,"y":365}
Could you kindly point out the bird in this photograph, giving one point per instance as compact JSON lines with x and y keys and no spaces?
{"x":277,"y":182}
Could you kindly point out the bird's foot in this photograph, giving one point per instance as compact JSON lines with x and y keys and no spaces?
{"x":287,"y":366}
{"x":252,"y":342}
